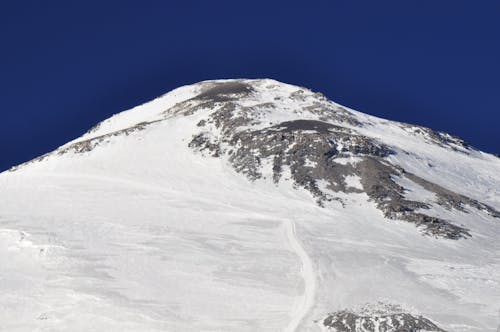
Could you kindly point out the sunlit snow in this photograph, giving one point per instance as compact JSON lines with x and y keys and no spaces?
{"x":144,"y":234}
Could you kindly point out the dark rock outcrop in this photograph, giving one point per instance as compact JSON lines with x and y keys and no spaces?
{"x":347,"y":321}
{"x":311,"y":152}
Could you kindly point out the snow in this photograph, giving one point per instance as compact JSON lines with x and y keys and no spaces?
{"x":144,"y":234}
{"x":310,"y":163}
{"x":353,"y":181}
{"x":440,"y":165}
{"x":347,"y":160}
{"x":306,"y":301}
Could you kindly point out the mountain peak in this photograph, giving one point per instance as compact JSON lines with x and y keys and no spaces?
{"x":268,"y":129}
{"x":244,"y":192}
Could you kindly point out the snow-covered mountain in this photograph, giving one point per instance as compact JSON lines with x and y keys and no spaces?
{"x":251,"y":205}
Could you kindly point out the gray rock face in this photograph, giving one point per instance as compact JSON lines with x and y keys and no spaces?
{"x":347,"y":321}
{"x":311,"y":150}
{"x":438,"y":138}
{"x":378,"y":181}
{"x":89,"y":144}
{"x":450,"y":199}
{"x":226,"y":91}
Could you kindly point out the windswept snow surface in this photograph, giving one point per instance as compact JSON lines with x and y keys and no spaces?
{"x":142,"y":233}
{"x":306,"y":301}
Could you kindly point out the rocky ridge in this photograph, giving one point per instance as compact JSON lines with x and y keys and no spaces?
{"x":315,"y":149}
{"x":378,"y":318}
{"x":311,"y":139}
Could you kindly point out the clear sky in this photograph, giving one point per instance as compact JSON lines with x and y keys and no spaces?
{"x":66,"y":65}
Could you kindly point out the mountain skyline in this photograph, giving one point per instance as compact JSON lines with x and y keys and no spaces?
{"x":67,"y":66}
{"x":252,"y":205}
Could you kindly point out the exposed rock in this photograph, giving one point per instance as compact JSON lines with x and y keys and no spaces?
{"x":87,"y":145}
{"x":378,"y":182}
{"x":331,"y":112}
{"x":438,"y":138}
{"x":309,"y":149}
{"x":450,"y":199}
{"x":347,"y":321}
{"x":226,"y":91}
{"x":203,"y":142}
{"x":90,"y":144}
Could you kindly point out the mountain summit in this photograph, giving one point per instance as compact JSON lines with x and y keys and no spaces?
{"x":252,"y":205}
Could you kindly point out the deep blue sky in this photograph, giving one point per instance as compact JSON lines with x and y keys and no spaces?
{"x":66,"y":65}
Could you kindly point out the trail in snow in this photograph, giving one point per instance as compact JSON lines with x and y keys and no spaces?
{"x":303,"y":305}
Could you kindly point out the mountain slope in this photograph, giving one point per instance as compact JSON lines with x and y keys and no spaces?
{"x":251,"y":205}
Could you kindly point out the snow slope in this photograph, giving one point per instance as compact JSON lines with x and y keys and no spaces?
{"x":128,"y":228}
{"x":306,"y":301}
